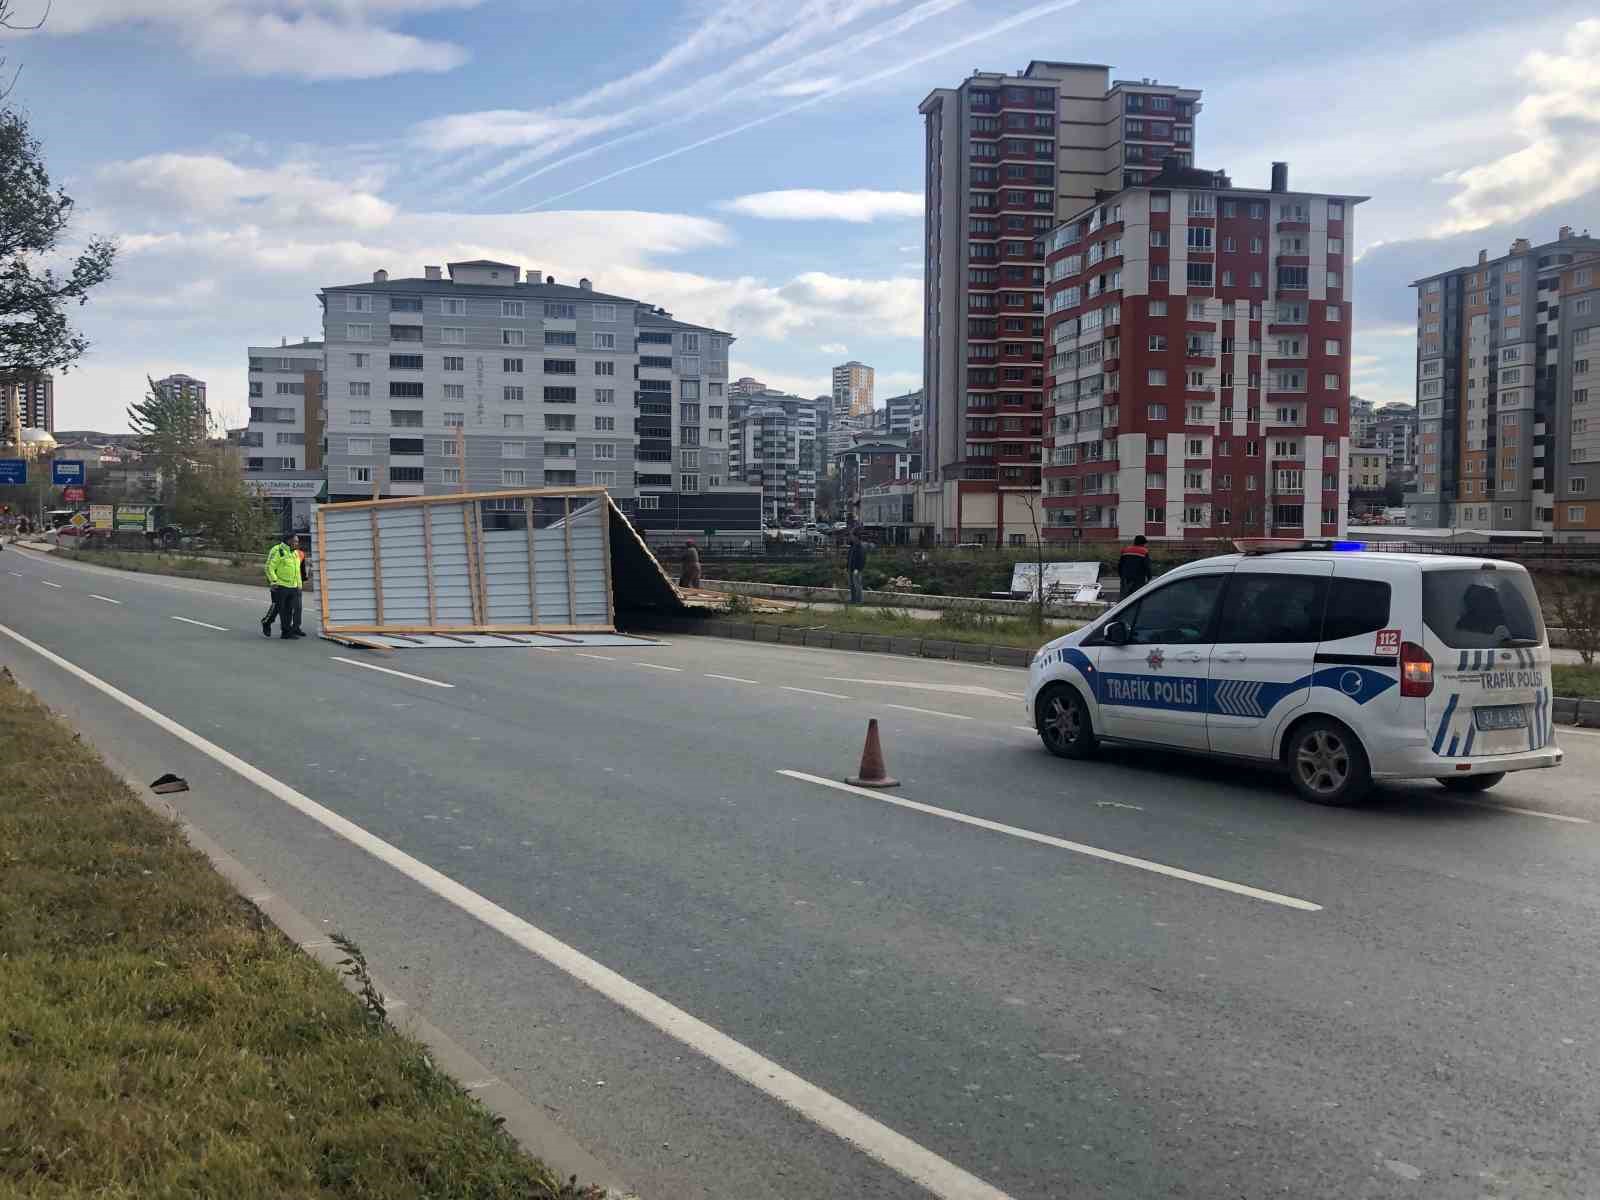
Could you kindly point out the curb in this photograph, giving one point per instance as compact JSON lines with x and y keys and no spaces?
{"x":1567,"y":710}
{"x":527,"y":1125}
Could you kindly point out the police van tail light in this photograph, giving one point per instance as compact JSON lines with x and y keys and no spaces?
{"x":1416,"y":670}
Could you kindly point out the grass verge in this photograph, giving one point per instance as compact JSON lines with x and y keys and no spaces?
{"x":183,"y":566}
{"x":1574,"y":679}
{"x":159,"y":1038}
{"x":890,"y":622}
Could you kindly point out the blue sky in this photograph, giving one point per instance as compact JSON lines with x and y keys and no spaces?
{"x":750,"y":164}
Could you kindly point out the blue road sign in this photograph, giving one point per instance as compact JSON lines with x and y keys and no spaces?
{"x":67,"y":472}
{"x":13,"y":470}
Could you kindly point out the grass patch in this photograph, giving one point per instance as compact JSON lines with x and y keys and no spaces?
{"x":250,"y":573}
{"x":1574,"y":679}
{"x":949,"y":627}
{"x":159,"y":1038}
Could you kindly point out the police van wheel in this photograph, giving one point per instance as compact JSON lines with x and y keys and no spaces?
{"x":1472,"y":783}
{"x":1326,"y":763}
{"x":1064,"y":724}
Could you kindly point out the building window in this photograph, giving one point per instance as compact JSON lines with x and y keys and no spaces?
{"x":354,"y":303}
{"x":1158,"y":237}
{"x":605,"y":450}
{"x":560,"y":337}
{"x":513,"y":449}
{"x":605,"y":368}
{"x":605,"y":312}
{"x":453,"y":335}
{"x":605,"y":396}
{"x":561,"y":312}
{"x":514,"y":478}
{"x":453,"y":307}
{"x":1575,"y":513}
{"x":359,"y":474}
{"x":450,"y":475}
{"x":1156,"y":377}
{"x":605,"y":424}
{"x":560,"y":366}
{"x":454,"y":362}
{"x":455,"y":420}
{"x":360,"y":388}
{"x":1577,"y":485}
{"x":358,"y":446}
{"x":605,"y":479}
{"x":512,"y":337}
{"x":358,"y":333}
{"x":511,"y":421}
{"x":455,"y":391}
{"x":605,"y":341}
{"x":1158,"y":308}
{"x":361,"y":416}
{"x":1158,"y":272}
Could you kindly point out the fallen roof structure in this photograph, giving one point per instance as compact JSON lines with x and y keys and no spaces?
{"x":541,"y":560}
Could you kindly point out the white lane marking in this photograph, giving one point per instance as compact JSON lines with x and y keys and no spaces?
{"x":958,"y":689}
{"x":731,"y":678}
{"x":598,"y":657}
{"x":878,"y":1141}
{"x":202,"y":624}
{"x":18,"y":574}
{"x":814,"y":692}
{"x":47,"y":583}
{"x":654,"y":667}
{"x":1563,"y":730}
{"x":1527,"y":812}
{"x":1025,"y":728}
{"x":140,"y":578}
{"x":107,"y":599}
{"x":929,"y":712}
{"x":389,"y":671}
{"x":1127,"y":860}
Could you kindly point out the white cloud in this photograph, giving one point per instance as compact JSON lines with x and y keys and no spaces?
{"x":810,"y":204}
{"x":503,"y":128}
{"x":213,"y":187}
{"x":1559,"y":121}
{"x":308,"y":39}
{"x":833,"y":348}
{"x":217,"y":256}
{"x":806,"y":87}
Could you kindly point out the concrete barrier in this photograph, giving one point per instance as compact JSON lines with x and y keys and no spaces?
{"x":973,"y":604}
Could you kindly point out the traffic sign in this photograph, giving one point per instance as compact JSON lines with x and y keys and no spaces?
{"x":65,"y":472}
{"x":73,"y":495}
{"x":79,"y":520}
{"x":13,"y":470}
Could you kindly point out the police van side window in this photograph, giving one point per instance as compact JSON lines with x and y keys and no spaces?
{"x":1272,"y":608}
{"x":1355,"y":607}
{"x":1176,"y":615}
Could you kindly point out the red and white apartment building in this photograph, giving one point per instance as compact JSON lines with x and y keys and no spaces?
{"x":1198,"y":361}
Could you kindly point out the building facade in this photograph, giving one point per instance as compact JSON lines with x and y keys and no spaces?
{"x":1369,"y":469}
{"x":192,"y":389}
{"x":1495,"y":407}
{"x":852,"y":389}
{"x":900,"y":416}
{"x":282,"y":446}
{"x":27,"y":401}
{"x":1008,"y":157}
{"x":1200,"y":362}
{"x":1394,"y":430}
{"x":776,"y":447}
{"x":476,"y":378}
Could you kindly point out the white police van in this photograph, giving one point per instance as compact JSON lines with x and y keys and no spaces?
{"x":1344,"y":665}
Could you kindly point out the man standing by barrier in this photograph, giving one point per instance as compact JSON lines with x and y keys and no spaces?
{"x":283,"y":577}
{"x":856,"y":563}
{"x":1133,"y":568}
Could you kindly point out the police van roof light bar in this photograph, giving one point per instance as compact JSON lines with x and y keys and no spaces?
{"x":1269,"y":545}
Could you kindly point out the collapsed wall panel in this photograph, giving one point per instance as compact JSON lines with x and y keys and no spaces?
{"x":526,"y":561}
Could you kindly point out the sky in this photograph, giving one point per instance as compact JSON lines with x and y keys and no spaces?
{"x":753,"y":165}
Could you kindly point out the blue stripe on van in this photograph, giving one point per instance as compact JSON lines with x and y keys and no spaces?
{"x":1462,"y":666}
{"x":1451,"y":753}
{"x":1444,"y":721}
{"x":1472,"y":732}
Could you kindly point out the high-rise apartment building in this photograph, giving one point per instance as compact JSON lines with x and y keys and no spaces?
{"x":776,"y":447}
{"x":474,"y":377}
{"x":852,"y":389}
{"x":1008,"y":157}
{"x":900,"y":415}
{"x":29,"y":397}
{"x":281,"y":446}
{"x":193,"y":390}
{"x":1200,"y":361}
{"x":1500,"y":418}
{"x":1394,"y":430}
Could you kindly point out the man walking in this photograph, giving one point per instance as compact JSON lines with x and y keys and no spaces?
{"x":283,"y":577}
{"x":856,"y":563}
{"x":689,"y":576}
{"x":1133,"y":568}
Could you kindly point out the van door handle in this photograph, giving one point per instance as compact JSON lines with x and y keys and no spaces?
{"x":1231,"y":656}
{"x":1189,"y":657}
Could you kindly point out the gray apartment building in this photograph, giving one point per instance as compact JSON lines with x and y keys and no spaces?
{"x":1496,"y":416}
{"x":479,"y":376}
{"x":778,"y":448}
{"x":281,"y":447}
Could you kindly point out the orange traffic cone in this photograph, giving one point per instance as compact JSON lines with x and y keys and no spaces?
{"x":872,"y":772}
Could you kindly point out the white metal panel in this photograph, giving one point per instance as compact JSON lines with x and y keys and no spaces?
{"x":550,"y":576}
{"x":347,"y":567}
{"x":452,"y":565}
{"x":505,"y":571}
{"x":401,"y":566}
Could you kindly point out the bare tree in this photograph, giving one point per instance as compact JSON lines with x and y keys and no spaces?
{"x":1031,"y":499}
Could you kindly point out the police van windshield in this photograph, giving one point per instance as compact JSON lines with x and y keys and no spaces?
{"x":1480,"y":610}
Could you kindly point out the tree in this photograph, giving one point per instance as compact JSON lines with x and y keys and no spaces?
{"x":1577,"y":605}
{"x":211,"y":493}
{"x":34,"y":332}
{"x":171,"y":429}
{"x":1031,"y":499}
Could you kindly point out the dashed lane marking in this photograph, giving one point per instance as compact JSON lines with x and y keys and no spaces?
{"x":597,"y":657}
{"x":107,"y":599}
{"x":390,"y":671}
{"x":929,"y":712}
{"x":202,"y":624}
{"x":654,"y":667}
{"x":47,"y":583}
{"x":731,"y":678}
{"x":1044,"y":839}
{"x":814,"y":692}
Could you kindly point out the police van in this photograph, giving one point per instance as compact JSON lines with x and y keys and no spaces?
{"x":1341,"y":664}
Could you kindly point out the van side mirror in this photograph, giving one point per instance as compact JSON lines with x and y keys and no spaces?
{"x":1115,"y":633}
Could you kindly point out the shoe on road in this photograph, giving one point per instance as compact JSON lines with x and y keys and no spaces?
{"x":266,"y":627}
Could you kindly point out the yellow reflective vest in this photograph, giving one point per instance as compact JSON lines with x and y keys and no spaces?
{"x":283,"y":566}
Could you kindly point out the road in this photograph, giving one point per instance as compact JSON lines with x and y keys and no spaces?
{"x":1143,"y":976}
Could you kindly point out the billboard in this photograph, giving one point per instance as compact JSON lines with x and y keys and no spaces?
{"x":131,"y":517}
{"x":100,"y":515}
{"x":13,"y":470}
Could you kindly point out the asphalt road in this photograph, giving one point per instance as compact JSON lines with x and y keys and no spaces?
{"x":1397,"y":1000}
